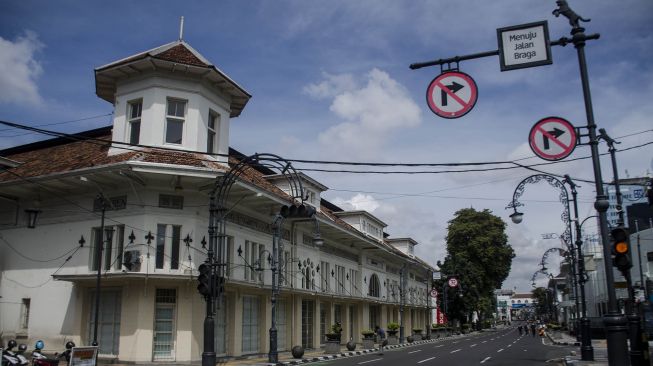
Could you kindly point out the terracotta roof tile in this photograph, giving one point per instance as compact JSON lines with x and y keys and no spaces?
{"x":63,"y":158}
{"x":180,"y":54}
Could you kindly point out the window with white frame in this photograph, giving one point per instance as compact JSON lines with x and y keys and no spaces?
{"x":24,"y":314}
{"x":175,"y":116}
{"x":354,"y":282}
{"x":340,"y":279}
{"x":374,"y":287}
{"x":168,"y":239}
{"x":254,"y":255}
{"x":250,"y":324}
{"x":211,"y":134}
{"x":286,"y":269}
{"x":112,"y":250}
{"x":228,"y":256}
{"x":134,"y":121}
{"x":324,"y":276}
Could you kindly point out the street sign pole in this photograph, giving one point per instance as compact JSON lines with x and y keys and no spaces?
{"x":615,"y":323}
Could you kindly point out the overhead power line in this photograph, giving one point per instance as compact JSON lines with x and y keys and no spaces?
{"x":162,"y":151}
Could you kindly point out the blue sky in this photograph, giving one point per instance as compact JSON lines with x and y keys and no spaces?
{"x":330,"y":80}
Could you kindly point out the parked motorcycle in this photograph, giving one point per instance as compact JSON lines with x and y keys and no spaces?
{"x":66,"y":354}
{"x":39,"y":359}
{"x":11,"y":358}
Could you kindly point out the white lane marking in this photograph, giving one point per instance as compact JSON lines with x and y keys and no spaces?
{"x":439,"y":346}
{"x":500,"y":350}
{"x":473,"y":345}
{"x":510,"y":345}
{"x":484,"y":342}
{"x":456,"y":342}
{"x":376,"y":359}
{"x":419,"y":350}
{"x":486,"y":358}
{"x":428,"y":359}
{"x":456,"y":350}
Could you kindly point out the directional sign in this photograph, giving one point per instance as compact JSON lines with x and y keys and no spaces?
{"x":453,"y":282}
{"x":434,"y":293}
{"x":552,"y":138}
{"x":452,"y":94}
{"x":525,"y":45}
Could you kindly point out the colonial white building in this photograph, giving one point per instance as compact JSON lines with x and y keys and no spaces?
{"x":157,"y":163}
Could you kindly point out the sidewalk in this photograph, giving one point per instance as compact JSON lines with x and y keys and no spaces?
{"x":600,"y":349}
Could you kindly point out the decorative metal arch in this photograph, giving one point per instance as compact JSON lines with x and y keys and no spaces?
{"x":218,"y":205}
{"x":563,"y":197}
{"x":545,"y":256}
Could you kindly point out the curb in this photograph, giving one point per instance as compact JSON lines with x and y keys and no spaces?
{"x":352,"y":353}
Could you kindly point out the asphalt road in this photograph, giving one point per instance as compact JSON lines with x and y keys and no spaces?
{"x":501,"y":347}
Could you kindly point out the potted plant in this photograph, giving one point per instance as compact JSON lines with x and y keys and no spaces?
{"x":417,"y":334}
{"x":333,"y":339}
{"x":368,"y":338}
{"x":393,"y":329}
{"x":335,"y":333}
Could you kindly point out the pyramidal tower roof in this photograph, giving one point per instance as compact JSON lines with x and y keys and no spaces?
{"x":171,"y":57}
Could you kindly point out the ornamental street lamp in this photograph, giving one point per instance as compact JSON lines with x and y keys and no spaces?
{"x":565,"y":217}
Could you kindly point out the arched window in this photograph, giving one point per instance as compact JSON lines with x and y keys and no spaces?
{"x":375,"y":288}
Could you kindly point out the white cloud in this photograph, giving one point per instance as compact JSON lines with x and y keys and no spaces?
{"x":331,"y":86}
{"x":369,"y":113}
{"x":20,"y":70}
{"x":360,"y":201}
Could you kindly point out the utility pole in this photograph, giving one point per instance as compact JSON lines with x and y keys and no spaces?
{"x":402,"y":301}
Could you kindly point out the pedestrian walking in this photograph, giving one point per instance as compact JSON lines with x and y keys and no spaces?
{"x":520,"y":329}
{"x":382,"y":341}
{"x":533,"y":329}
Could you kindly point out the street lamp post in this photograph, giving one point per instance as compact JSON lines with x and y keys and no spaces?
{"x":402,"y":301}
{"x":615,"y":322}
{"x":98,"y":258}
{"x":634,"y":323}
{"x":586,"y":349}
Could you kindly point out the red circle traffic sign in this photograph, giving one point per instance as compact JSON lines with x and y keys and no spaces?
{"x":452,"y":94}
{"x":453,"y":282}
{"x":552,"y":138}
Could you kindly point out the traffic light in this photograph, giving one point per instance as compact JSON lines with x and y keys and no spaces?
{"x":204,"y":279}
{"x":621,"y":249}
{"x":297,"y":211}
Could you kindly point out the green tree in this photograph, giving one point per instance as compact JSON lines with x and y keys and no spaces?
{"x":542,"y":300}
{"x":478,"y":253}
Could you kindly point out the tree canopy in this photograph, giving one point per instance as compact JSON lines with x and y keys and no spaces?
{"x":478,"y":253}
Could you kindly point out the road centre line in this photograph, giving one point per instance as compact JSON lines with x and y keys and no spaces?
{"x":473,"y":345}
{"x":459,"y":349}
{"x":500,"y":350}
{"x":428,"y":359}
{"x":484,"y":342}
{"x":442,"y":345}
{"x":485,"y":359}
{"x":510,"y":345}
{"x":376,"y":359}
{"x":419,"y":350}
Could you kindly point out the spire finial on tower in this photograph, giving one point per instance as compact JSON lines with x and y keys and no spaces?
{"x":181,"y":28}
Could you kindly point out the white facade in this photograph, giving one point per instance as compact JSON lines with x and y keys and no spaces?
{"x":150,"y":309}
